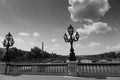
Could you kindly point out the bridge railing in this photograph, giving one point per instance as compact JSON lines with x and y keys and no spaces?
{"x":36,"y":68}
{"x":100,"y":69}
{"x":82,"y":69}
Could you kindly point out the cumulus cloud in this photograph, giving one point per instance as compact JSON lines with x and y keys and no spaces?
{"x":31,"y":43}
{"x":54,"y":47}
{"x":97,"y":27}
{"x":87,"y":10}
{"x":24,"y":34}
{"x":79,"y":46}
{"x":84,"y":37}
{"x":93,"y":44}
{"x":90,"y":45}
{"x":19,"y":40}
{"x":112,"y":48}
{"x":53,"y":40}
{"x":35,"y":34}
{"x":1,"y":40}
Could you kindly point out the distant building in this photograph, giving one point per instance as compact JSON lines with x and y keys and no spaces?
{"x":86,"y":61}
{"x":115,"y":61}
{"x":103,"y":61}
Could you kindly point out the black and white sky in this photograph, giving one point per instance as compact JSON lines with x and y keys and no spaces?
{"x":32,"y":22}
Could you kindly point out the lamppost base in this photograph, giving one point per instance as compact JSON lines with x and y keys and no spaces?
{"x":72,"y":57}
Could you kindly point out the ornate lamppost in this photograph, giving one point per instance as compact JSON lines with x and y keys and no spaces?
{"x":71,"y":38}
{"x":8,"y":42}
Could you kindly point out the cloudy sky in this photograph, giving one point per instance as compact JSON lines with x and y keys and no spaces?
{"x":32,"y":22}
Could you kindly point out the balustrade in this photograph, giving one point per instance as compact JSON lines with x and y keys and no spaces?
{"x":99,"y":69}
{"x":54,"y":69}
{"x":37,"y":68}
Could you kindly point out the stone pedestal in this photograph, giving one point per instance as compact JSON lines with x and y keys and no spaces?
{"x":72,"y":68}
{"x":2,"y":68}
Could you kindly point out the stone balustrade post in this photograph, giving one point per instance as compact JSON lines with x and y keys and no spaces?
{"x":72,"y":68}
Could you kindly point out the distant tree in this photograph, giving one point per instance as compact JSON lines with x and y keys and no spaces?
{"x":36,"y":53}
{"x":15,"y":54}
{"x":118,"y":55}
{"x":113,"y":55}
{"x":2,"y":53}
{"x":45,"y":55}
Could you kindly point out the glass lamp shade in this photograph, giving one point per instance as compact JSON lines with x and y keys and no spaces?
{"x":70,"y":30}
{"x":12,"y":42}
{"x":8,"y":36}
{"x":65,"y":37}
{"x":4,"y":43}
{"x":77,"y":35}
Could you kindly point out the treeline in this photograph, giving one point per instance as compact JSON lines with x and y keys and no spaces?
{"x":37,"y":55}
{"x":34,"y":55}
{"x":104,"y":56}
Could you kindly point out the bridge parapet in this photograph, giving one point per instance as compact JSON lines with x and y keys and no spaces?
{"x":99,"y":69}
{"x":37,"y":68}
{"x":69,"y":68}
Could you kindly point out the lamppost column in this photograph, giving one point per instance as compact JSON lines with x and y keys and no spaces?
{"x":8,"y":42}
{"x":72,"y":64}
{"x":72,"y":54}
{"x":71,"y":39}
{"x":6,"y":58}
{"x":7,"y":54}
{"x":71,"y":44}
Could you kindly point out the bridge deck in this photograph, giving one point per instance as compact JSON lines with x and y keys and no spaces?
{"x":43,"y":77}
